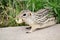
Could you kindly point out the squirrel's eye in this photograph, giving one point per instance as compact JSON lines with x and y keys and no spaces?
{"x":24,"y":14}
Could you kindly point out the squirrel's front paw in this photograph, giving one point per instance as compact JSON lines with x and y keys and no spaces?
{"x":28,"y":32}
{"x":28,"y":28}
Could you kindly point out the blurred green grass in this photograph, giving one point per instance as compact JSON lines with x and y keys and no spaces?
{"x":10,"y":8}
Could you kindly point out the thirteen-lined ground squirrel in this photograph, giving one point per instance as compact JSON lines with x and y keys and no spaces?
{"x":40,"y":19}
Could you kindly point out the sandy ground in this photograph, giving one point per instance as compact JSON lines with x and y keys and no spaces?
{"x":19,"y":33}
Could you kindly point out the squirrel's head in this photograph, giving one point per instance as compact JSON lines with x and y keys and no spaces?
{"x":24,"y":14}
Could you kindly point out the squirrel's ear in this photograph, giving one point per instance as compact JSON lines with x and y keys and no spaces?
{"x":30,"y":14}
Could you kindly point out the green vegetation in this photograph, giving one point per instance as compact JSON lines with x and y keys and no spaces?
{"x":10,"y":8}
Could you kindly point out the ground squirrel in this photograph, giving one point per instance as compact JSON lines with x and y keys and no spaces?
{"x":40,"y":19}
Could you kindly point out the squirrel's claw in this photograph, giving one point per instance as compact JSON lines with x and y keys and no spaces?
{"x":28,"y":32}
